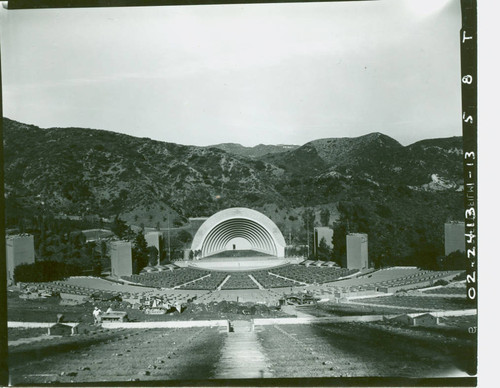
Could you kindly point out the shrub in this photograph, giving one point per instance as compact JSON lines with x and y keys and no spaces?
{"x":45,"y":271}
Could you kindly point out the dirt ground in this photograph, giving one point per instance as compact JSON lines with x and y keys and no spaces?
{"x":18,"y":333}
{"x":367,"y":349}
{"x":46,"y":310}
{"x":118,"y":356}
{"x":319,"y":350}
{"x":289,"y":351}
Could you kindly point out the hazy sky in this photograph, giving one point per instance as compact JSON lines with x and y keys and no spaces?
{"x":265,"y":73}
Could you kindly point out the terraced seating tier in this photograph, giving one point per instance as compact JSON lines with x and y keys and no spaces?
{"x":61,"y":287}
{"x":270,"y":281}
{"x":194,"y":279}
{"x":167,"y":279}
{"x":447,"y":291}
{"x":207,"y":283}
{"x":239,"y":281}
{"x":392,"y":278}
{"x":311,"y":275}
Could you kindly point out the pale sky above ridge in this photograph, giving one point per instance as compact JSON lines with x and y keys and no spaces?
{"x":248,"y":74}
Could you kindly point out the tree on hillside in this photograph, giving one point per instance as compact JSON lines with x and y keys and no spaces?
{"x":355,"y":215}
{"x":140,"y":253}
{"x":178,"y":222}
{"x":45,"y":271}
{"x":119,"y":227}
{"x":93,"y":257}
{"x":177,"y":246}
{"x":308,"y":217}
{"x":153,"y":255}
{"x":325,"y":217}
{"x":184,"y":236}
{"x":426,"y":256}
{"x":323,"y":251}
{"x":339,"y":243}
{"x":454,"y":261}
{"x":78,"y":239}
{"x":104,"y":255}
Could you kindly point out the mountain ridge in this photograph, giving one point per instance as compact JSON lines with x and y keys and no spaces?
{"x":110,"y":173}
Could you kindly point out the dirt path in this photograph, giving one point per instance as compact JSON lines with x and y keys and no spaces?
{"x":242,"y":355}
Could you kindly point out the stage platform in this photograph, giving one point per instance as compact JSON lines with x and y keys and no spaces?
{"x":239,"y":263}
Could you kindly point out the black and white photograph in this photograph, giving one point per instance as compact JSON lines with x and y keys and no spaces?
{"x":276,"y":193}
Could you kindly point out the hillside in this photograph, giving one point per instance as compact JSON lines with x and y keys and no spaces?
{"x":400,"y":195}
{"x":256,"y":151}
{"x":377,"y":157}
{"x":75,"y":170}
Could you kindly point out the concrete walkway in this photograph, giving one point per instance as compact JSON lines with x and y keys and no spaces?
{"x":223,"y":282}
{"x":242,"y":356}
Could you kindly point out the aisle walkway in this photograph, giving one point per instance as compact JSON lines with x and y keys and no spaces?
{"x":242,"y":356}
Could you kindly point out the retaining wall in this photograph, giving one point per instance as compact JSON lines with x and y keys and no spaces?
{"x":256,"y":322}
{"x":308,"y":320}
{"x":356,"y":318}
{"x":26,"y":325}
{"x":454,"y":313}
{"x":166,"y":325}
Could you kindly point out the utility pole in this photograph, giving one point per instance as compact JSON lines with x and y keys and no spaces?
{"x":160,"y":246}
{"x":168,"y":234}
{"x":307,"y":233}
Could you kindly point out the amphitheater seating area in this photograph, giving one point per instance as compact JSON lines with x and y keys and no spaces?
{"x":168,"y":279}
{"x":238,"y":281}
{"x":386,"y":280}
{"x":391,"y":279}
{"x":280,"y":277}
{"x":270,"y":281}
{"x":61,"y":287}
{"x":207,"y":283}
{"x":313,"y":274}
{"x":410,"y":280}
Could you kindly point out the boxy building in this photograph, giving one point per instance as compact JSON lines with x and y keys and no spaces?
{"x":454,"y":237}
{"x":357,"y":250}
{"x":121,"y":258}
{"x":20,"y":249}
